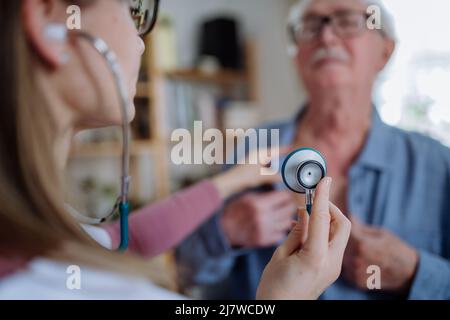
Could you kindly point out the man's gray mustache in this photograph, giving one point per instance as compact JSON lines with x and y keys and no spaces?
{"x":330,"y":53}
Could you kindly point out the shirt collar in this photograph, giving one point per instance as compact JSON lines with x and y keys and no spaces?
{"x":377,"y":148}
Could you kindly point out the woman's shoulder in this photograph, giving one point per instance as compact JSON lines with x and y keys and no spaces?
{"x":44,"y":279}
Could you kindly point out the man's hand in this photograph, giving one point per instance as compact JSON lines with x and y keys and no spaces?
{"x":258,"y":219}
{"x":374,"y":246}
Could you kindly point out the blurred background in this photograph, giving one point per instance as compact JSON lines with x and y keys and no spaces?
{"x":241,"y":81}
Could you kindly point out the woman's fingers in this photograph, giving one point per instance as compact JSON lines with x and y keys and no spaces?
{"x":340,"y":229}
{"x":297,"y":236}
{"x":303,"y":221}
{"x":268,"y":160}
{"x":319,"y":222}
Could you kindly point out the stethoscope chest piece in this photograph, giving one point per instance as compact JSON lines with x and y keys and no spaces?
{"x":302,"y":171}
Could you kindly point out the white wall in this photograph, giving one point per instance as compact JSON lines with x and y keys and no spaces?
{"x":263,"y":21}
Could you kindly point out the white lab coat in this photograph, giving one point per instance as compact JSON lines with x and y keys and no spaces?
{"x":45,"y":279}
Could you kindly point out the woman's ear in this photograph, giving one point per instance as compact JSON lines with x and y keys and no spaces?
{"x":47,"y":37}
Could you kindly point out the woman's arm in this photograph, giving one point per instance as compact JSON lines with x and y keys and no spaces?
{"x":161,"y":226}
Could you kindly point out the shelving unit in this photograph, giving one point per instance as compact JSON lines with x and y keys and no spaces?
{"x":224,"y":85}
{"x":223,"y":78}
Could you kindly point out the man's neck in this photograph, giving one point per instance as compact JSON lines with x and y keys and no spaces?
{"x":338,"y":126}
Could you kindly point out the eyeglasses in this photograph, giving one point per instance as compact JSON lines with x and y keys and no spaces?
{"x":144,"y":14}
{"x":345,"y":24}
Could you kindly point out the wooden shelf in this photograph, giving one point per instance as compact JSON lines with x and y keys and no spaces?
{"x":222,"y":77}
{"x":225,"y":78}
{"x":109,"y":149}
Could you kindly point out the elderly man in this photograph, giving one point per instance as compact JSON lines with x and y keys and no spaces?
{"x":394,"y":185}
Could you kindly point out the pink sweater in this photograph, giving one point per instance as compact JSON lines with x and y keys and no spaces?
{"x":158,"y":227}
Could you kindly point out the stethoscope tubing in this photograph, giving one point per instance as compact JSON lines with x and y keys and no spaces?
{"x":122,"y":203}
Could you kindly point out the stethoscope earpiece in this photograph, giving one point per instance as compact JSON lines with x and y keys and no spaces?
{"x":56,"y":32}
{"x":302,"y":171}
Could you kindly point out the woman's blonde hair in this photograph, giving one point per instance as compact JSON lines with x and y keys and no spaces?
{"x":33,"y":218}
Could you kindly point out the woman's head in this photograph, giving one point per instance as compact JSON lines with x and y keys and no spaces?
{"x":81,"y":85}
{"x":43,"y":100}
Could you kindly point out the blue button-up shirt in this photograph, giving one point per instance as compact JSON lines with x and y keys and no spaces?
{"x":400,"y":181}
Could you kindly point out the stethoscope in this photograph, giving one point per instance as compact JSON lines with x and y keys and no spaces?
{"x":122,"y":204}
{"x":58,"y":32}
{"x":302,"y":171}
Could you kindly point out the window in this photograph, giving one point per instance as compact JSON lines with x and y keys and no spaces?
{"x":414,"y":91}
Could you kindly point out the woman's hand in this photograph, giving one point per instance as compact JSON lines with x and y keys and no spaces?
{"x":246,"y":176}
{"x":310,"y":259}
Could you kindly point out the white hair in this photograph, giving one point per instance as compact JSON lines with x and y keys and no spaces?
{"x":298,"y":10}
